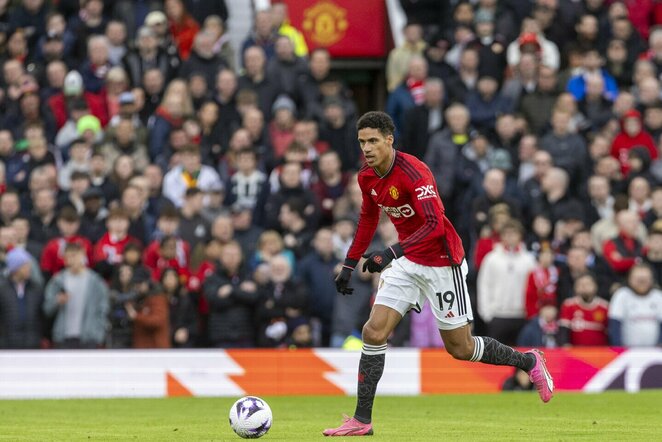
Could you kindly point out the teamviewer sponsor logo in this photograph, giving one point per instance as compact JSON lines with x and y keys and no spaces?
{"x":405,"y":211}
{"x":425,"y":192}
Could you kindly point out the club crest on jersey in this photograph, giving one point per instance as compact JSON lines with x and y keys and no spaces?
{"x":405,"y":211}
{"x":393,"y":191}
{"x":425,"y":192}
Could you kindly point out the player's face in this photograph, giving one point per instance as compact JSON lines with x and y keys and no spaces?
{"x":377,"y":148}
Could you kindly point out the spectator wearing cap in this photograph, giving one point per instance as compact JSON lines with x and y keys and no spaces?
{"x":409,"y":93}
{"x":52,"y":257}
{"x":77,"y":299}
{"x":20,"y":303}
{"x":397,"y":64}
{"x":232,"y":297}
{"x":73,"y":89}
{"x":190,"y":173}
{"x":203,"y":59}
{"x":281,"y":127}
{"x":423,"y":120}
{"x":263,"y":35}
{"x":501,"y":300}
{"x":532,"y":40}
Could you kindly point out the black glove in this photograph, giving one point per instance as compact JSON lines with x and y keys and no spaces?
{"x":377,"y":261}
{"x":342,"y":280}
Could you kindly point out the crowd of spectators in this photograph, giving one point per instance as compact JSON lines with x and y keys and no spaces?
{"x":162,"y":188}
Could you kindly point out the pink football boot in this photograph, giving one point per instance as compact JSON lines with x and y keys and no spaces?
{"x":350,"y":427}
{"x":541,"y":377}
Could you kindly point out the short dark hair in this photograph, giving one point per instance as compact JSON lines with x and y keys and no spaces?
{"x":68,"y":214}
{"x":376,"y":120}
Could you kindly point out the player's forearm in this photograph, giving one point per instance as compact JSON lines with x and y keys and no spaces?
{"x":362,"y":239}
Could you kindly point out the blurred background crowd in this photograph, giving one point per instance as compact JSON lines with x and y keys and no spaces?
{"x":162,"y":187}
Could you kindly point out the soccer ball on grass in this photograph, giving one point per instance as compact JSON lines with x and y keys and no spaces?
{"x":250,"y":417}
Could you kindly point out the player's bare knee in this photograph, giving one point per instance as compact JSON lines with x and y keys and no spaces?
{"x":373,"y":335}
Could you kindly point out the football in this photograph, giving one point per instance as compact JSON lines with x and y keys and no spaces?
{"x":250,"y":417}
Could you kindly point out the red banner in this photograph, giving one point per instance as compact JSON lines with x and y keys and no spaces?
{"x":348,"y":28}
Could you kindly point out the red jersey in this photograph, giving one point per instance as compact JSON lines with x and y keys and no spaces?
{"x":157,"y":264}
{"x":110,"y":249}
{"x":587,"y":322}
{"x":408,"y":194}
{"x":52,"y":257}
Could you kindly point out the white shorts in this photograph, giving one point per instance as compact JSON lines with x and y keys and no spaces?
{"x":406,"y":285}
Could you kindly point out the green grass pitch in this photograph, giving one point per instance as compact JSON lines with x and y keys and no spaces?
{"x":509,"y":416}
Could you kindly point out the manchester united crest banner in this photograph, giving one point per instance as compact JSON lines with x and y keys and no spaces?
{"x":348,"y":28}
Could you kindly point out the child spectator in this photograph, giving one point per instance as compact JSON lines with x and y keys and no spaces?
{"x":183,"y":317}
{"x":542,"y":283}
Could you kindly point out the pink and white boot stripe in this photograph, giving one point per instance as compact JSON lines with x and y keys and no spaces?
{"x":350,"y":427}
{"x":540,"y":377}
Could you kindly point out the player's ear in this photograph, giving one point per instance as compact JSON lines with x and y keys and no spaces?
{"x":390,"y":139}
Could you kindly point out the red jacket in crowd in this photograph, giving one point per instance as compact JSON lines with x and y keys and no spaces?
{"x":541,"y":287}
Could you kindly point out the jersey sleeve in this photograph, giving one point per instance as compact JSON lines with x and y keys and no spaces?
{"x":425,"y":200}
{"x":365,"y":230}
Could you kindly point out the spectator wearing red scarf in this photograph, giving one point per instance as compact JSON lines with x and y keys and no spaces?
{"x":182,"y":27}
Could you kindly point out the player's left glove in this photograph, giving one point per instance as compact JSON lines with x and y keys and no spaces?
{"x":377,"y":261}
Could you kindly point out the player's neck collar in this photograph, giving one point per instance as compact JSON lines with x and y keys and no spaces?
{"x":390,"y":168}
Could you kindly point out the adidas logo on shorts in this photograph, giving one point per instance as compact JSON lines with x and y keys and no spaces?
{"x":449,"y":315}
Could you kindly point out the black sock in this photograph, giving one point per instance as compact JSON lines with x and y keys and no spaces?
{"x":371,"y":368}
{"x":491,"y":351}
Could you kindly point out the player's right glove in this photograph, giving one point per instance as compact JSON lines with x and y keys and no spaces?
{"x":342,"y":280}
